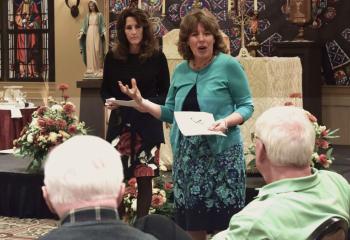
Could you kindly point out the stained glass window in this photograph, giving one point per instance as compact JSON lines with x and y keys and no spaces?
{"x":28,"y":40}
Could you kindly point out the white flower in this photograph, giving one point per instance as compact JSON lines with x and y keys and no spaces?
{"x":155,"y":190}
{"x":30,"y":138}
{"x":34,"y":122}
{"x":322,"y":128}
{"x":57,"y":108}
{"x":315,"y":156}
{"x":134,"y":204}
{"x":153,"y":151}
{"x":162,"y":192}
{"x":41,"y":139}
{"x":52,"y":137}
{"x":151,"y":210}
{"x":163,"y":168}
{"x":64,"y":134}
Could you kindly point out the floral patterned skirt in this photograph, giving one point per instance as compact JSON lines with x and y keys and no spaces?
{"x":208,"y":189}
{"x":138,"y":158}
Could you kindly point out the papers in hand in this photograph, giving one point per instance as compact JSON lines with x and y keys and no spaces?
{"x":130,"y":103}
{"x":195,"y":123}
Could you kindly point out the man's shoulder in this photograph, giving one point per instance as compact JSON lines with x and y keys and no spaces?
{"x":92,"y":231}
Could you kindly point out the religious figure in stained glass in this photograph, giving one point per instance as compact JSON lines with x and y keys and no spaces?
{"x":27,"y":19}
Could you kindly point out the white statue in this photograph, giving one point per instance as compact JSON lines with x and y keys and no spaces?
{"x":92,"y":41}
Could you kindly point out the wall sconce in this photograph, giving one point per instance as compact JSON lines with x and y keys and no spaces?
{"x":74,"y":10}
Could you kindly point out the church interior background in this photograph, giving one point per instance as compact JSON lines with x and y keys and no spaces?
{"x":329,"y":26}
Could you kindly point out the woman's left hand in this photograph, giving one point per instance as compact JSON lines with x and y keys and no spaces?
{"x":219,"y":126}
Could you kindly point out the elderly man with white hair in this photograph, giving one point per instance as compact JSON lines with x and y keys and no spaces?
{"x":83,"y":185}
{"x":297,"y":197}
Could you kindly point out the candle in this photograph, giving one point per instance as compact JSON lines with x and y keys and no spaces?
{"x":163,"y":8}
{"x":229,"y":6}
{"x":255,"y":5}
{"x":139,"y":4}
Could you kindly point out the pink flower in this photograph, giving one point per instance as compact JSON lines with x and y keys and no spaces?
{"x":322,"y":143}
{"x":50,"y":122}
{"x":132,"y":182}
{"x":295,"y":95}
{"x":61,"y":123}
{"x":130,"y":190}
{"x":72,"y":129}
{"x":157,"y":201}
{"x":168,"y":186}
{"x":324,"y":161}
{"x":69,"y":108}
{"x":42,"y":122}
{"x":63,"y":86}
{"x":324,"y":133}
{"x":65,"y":97}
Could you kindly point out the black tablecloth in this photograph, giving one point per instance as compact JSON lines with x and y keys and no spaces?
{"x":20,"y":192}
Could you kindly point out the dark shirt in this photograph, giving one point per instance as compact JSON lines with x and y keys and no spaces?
{"x":95,"y":224}
{"x":152,"y":77}
{"x":191,"y":102}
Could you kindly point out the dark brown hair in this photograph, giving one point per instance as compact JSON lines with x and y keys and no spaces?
{"x":149,"y":45}
{"x":189,"y":24}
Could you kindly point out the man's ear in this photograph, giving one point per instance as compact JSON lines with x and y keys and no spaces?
{"x":260,"y":153}
{"x":47,"y":199}
{"x":120,"y":195}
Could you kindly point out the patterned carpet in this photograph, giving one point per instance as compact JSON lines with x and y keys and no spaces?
{"x":25,"y":228}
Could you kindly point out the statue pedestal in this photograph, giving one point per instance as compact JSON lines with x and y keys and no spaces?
{"x":92,"y":110}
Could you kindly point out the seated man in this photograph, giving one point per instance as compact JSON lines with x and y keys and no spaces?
{"x":297,"y":198}
{"x":83,"y":185}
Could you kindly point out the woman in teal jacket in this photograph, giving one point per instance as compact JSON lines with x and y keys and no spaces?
{"x":208,"y":171}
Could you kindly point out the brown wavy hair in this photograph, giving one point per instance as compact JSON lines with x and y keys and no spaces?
{"x":149,"y":45}
{"x":189,"y":24}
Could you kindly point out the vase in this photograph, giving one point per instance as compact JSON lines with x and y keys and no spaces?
{"x":35,"y":165}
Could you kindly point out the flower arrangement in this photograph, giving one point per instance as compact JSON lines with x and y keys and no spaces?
{"x":162,"y":198}
{"x":50,"y":126}
{"x":322,"y":156}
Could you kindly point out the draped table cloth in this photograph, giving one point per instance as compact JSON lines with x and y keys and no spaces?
{"x":10,"y":128}
{"x":272,"y":81}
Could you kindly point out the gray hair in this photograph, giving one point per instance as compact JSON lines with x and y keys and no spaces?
{"x":82,"y":169}
{"x":288,"y":135}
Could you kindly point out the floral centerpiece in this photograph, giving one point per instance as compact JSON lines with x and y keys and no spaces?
{"x":322,"y":156}
{"x":162,"y":198}
{"x":50,"y":126}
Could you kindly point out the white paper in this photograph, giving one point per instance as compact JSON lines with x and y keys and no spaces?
{"x":126,"y":103}
{"x":195,"y":123}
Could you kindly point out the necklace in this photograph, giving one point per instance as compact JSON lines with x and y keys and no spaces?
{"x":195,"y":66}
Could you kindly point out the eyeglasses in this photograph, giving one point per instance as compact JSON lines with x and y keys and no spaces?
{"x":254,"y":137}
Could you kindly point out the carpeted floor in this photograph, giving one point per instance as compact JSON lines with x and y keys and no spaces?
{"x":25,"y":228}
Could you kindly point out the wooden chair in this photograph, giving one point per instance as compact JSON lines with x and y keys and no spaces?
{"x":334,"y":228}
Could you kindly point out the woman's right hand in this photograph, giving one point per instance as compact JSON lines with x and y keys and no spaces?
{"x":133,"y":93}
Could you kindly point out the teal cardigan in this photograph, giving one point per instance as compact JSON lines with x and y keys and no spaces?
{"x":222,"y":88}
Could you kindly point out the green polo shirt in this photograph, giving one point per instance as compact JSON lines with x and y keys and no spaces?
{"x":291,"y":208}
